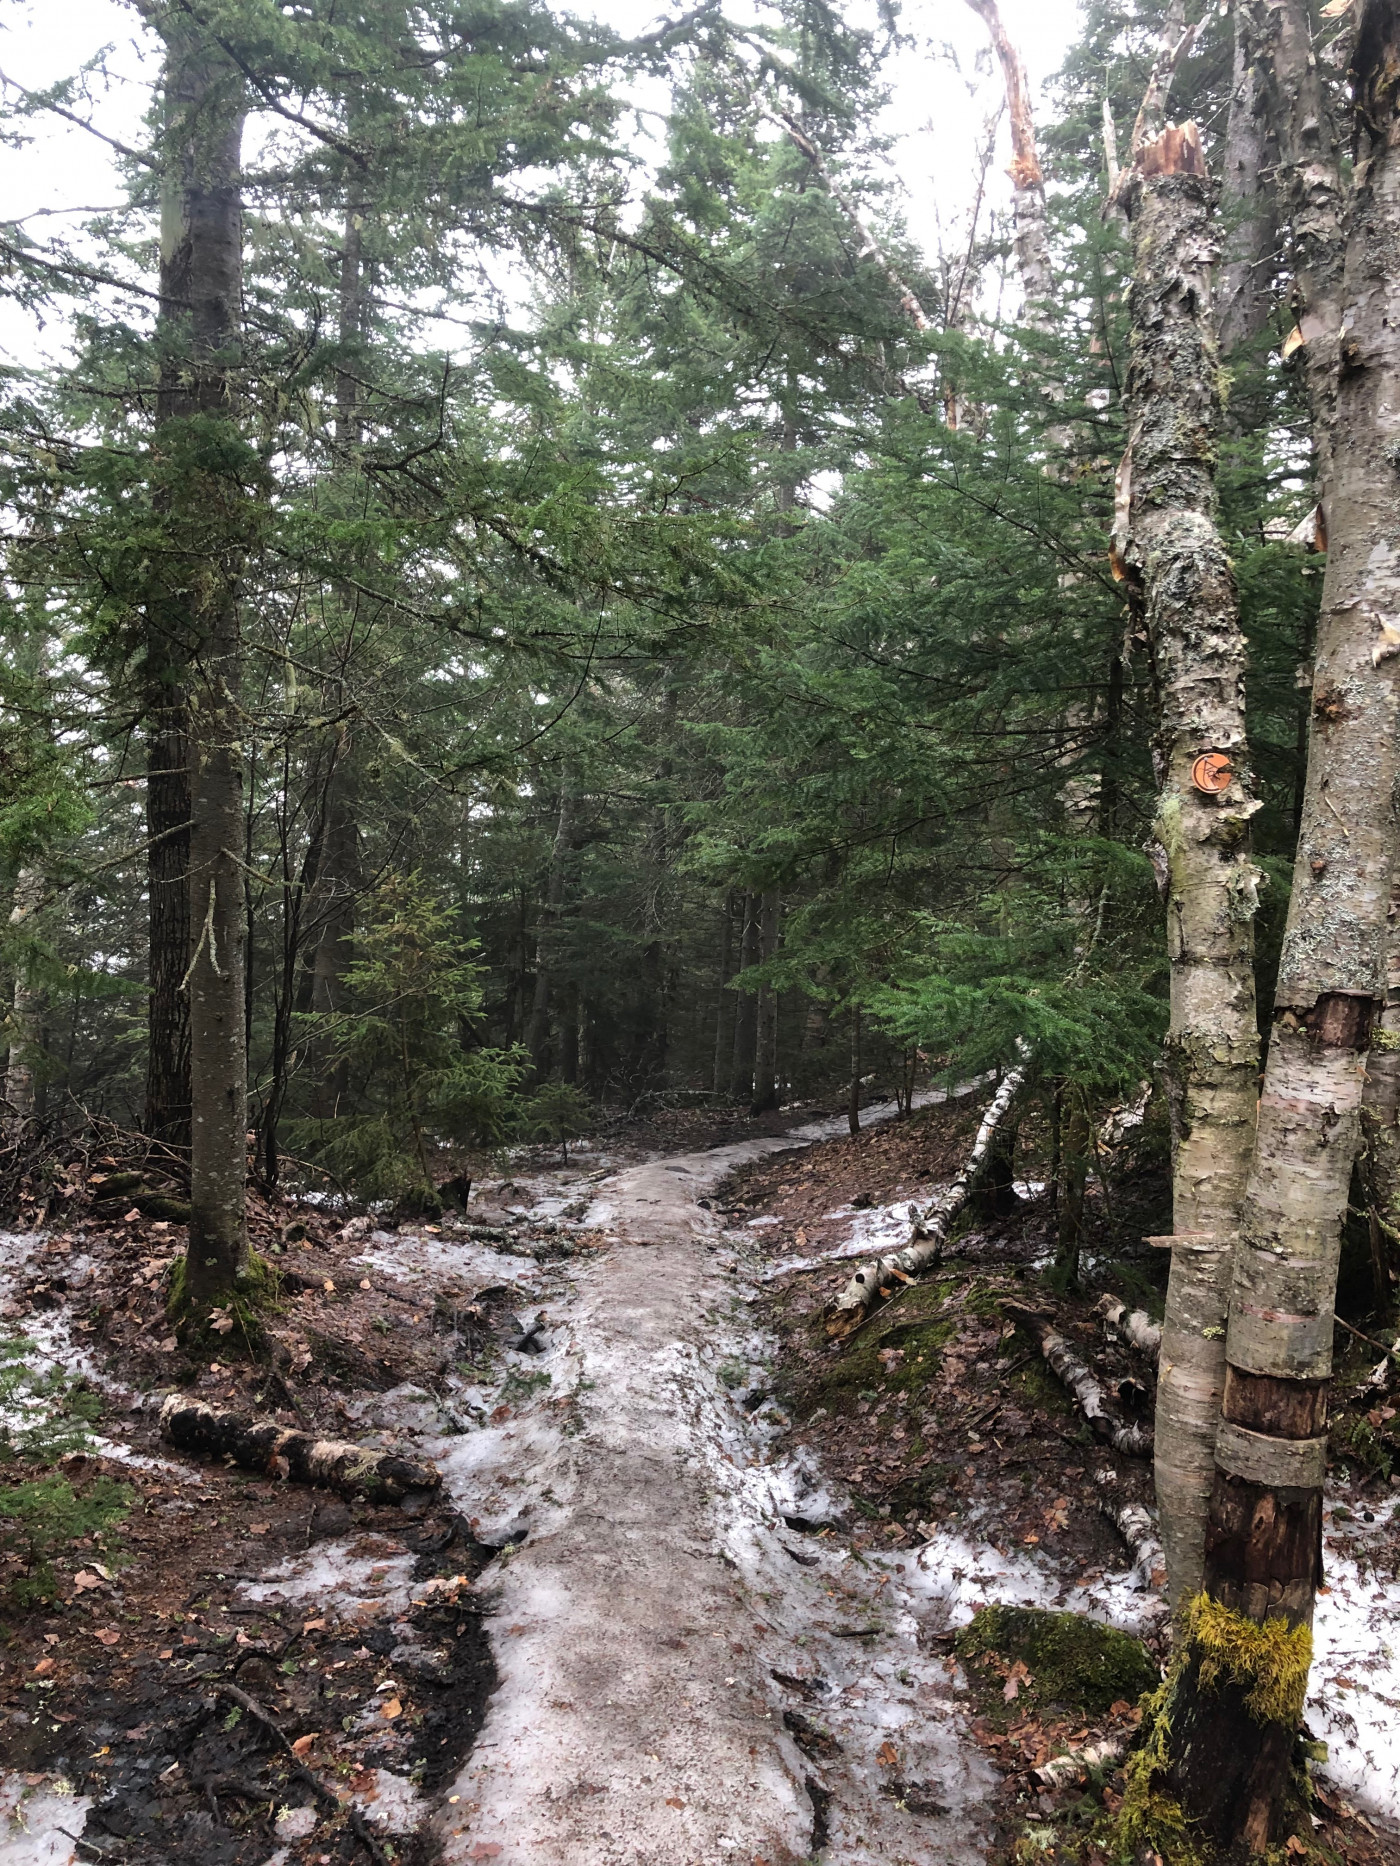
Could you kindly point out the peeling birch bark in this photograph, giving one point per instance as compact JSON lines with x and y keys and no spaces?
{"x":1082,"y":1384}
{"x":1076,"y":1763}
{"x":1135,"y":1523}
{"x":1174,"y":552}
{"x":877,"y":1281}
{"x":1380,"y":1124}
{"x":264,"y":1446}
{"x":1227,"y":1766}
{"x":1136,"y":1326}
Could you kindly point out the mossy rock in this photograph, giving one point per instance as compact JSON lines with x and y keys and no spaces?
{"x":1074,"y":1662}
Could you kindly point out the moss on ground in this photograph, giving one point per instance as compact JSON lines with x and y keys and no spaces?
{"x":256,"y":1294}
{"x":912,"y":1339}
{"x":1073,"y":1662}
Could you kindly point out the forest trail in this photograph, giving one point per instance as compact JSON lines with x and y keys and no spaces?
{"x":638,"y":1629}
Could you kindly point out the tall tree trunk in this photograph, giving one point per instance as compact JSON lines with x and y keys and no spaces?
{"x":765,"y":1070}
{"x":1243,"y":299}
{"x":337,"y":887}
{"x":853,"y":1092}
{"x":1205,"y":802}
{"x":167,"y":741}
{"x":26,"y":1019}
{"x":547,"y":933}
{"x":1224,"y":1740}
{"x":200,"y":470}
{"x":741,"y":1074}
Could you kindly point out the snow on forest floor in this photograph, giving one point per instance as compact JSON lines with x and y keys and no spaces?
{"x":689,"y":1671}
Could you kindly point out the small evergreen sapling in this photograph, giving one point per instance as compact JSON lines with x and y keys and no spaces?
{"x":43,"y":1416}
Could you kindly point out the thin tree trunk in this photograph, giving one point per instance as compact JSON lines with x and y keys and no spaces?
{"x":1178,"y":559}
{"x":1074,"y":1170}
{"x":167,"y":729}
{"x":741,"y":1074}
{"x":206,"y":510}
{"x":853,"y":1094}
{"x":765,"y":1073}
{"x":1237,"y":1692}
{"x":726,"y":960}
{"x":26,"y":1018}
{"x":547,"y":933}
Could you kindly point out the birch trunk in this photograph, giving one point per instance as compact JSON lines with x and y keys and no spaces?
{"x":1175,"y":553}
{"x":1032,"y":237}
{"x":1380,"y":1126}
{"x":1243,"y":299}
{"x":1228,"y":1727}
{"x":201,"y":470}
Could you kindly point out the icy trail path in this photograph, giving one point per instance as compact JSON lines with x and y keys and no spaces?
{"x":638,"y":1628}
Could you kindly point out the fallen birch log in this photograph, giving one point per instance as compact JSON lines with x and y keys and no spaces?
{"x":1136,"y":1326}
{"x":275,"y":1451}
{"x":1073,"y":1767}
{"x":877,"y":1281}
{"x":1134,"y":1522}
{"x":1081,"y":1382}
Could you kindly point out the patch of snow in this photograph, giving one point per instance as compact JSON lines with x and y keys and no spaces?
{"x":408,"y":1257}
{"x":391,"y":1801}
{"x":40,"y":1823}
{"x":1354,"y":1700}
{"x":349,"y":1578}
{"x":295,"y":1823}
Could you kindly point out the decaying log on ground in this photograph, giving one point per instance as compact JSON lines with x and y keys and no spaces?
{"x":877,"y":1281}
{"x":1134,"y":1441}
{"x":1062,"y":1770}
{"x":1136,"y":1326}
{"x":272,"y":1450}
{"x":1134,"y":1522}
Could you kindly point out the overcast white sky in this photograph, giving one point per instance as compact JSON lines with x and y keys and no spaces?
{"x":936,"y":112}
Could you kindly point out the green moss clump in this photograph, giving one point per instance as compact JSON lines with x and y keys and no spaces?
{"x":1072,"y":1661}
{"x":1269,"y":1662}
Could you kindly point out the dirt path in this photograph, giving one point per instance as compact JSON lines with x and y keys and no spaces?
{"x":659,"y":1589}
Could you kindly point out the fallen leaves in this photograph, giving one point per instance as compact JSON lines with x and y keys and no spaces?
{"x":391,"y":1710}
{"x":887,"y":1755}
{"x":1015,"y":1678}
{"x":303,"y":1744}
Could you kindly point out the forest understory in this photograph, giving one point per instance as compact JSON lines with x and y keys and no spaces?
{"x":694,"y":1584}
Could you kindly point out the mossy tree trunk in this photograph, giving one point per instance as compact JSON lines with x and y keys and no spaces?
{"x":1175,"y":554}
{"x":1222,"y":1745}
